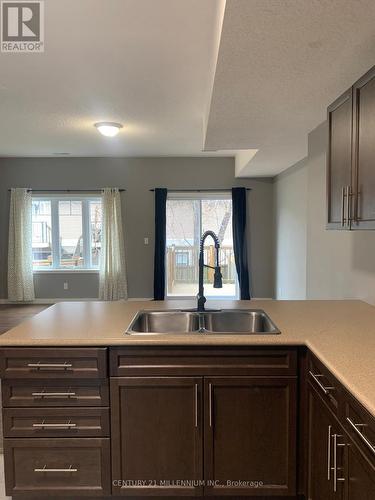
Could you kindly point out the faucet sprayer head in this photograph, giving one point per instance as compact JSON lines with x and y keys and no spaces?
{"x":218,"y":279}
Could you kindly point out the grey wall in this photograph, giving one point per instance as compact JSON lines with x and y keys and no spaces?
{"x":339,"y":264}
{"x":137,"y":175}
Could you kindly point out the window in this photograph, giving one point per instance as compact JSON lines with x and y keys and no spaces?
{"x":66,"y":232}
{"x":188,"y":216}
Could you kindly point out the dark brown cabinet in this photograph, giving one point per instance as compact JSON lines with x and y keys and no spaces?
{"x":157,"y":436}
{"x":326,"y":452}
{"x":364,"y":152}
{"x":351,"y":157}
{"x":70,"y":467}
{"x":339,"y":158}
{"x":183,"y":421}
{"x":250,"y":436}
{"x":341,"y":454}
{"x":249,"y":440}
{"x":360,"y":476}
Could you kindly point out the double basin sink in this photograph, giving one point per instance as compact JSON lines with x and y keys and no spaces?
{"x":225,"y":321}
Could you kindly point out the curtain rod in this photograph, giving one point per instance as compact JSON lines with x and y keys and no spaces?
{"x":67,"y":190}
{"x":201,"y":190}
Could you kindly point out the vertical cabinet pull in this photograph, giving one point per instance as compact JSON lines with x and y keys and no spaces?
{"x":210,"y":403}
{"x":349,"y":206}
{"x":335,"y":467}
{"x":329,"y":453}
{"x":343,"y":194}
{"x":196,"y":405}
{"x":346,"y":207}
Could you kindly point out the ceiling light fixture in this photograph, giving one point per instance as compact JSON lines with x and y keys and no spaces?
{"x":109,"y":129}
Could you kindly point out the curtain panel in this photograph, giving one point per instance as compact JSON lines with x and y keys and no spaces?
{"x":20,"y":260}
{"x":112,"y":273}
{"x":160,"y":242}
{"x":240,"y":240}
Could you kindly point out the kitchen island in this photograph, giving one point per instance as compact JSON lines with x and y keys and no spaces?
{"x":190,"y":414}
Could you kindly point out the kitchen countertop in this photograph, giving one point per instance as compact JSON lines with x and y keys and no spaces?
{"x":340,"y":333}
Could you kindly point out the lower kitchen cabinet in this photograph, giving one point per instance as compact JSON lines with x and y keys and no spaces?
{"x":360,"y":475}
{"x":322,"y":428}
{"x":63,"y":467}
{"x":249,"y":428}
{"x":157,"y":436}
{"x":338,"y":469}
{"x":250,"y":436}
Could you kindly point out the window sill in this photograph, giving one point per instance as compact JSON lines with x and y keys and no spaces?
{"x":63,"y":271}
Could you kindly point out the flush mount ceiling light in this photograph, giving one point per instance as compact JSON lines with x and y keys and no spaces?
{"x":109,"y":129}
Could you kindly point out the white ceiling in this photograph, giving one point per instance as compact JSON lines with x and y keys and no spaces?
{"x":150,"y":64}
{"x":280,"y":63}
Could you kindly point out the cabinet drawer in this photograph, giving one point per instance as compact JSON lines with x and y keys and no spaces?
{"x":202,"y":361}
{"x":55,"y":393}
{"x":360,"y":426}
{"x":62,"y":467}
{"x":56,"y":422}
{"x":325,"y":383}
{"x":57,"y":363}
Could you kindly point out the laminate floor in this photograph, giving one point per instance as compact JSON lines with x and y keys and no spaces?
{"x":13,"y":314}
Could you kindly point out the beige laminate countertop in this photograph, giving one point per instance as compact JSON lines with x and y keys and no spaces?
{"x":340,"y":333}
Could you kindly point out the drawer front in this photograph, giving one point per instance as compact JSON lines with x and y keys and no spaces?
{"x":360,"y":426}
{"x":57,"y":363}
{"x":63,"y":467}
{"x":325,"y":384}
{"x":202,"y":361}
{"x":56,"y":393}
{"x":56,"y":422}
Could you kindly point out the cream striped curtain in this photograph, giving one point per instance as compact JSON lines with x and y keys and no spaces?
{"x":20,"y":265}
{"x":112,"y":275}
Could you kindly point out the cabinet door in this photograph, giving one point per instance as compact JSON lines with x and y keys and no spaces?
{"x":250,"y":436}
{"x":320,"y":449}
{"x":364,"y":152}
{"x":360,"y":476}
{"x":156,"y":436}
{"x":339,"y":160}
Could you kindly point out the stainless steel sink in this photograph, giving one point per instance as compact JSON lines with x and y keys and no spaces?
{"x":239,"y":322}
{"x":225,"y":321}
{"x":159,"y":322}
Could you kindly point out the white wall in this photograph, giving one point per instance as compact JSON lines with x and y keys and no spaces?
{"x":339,"y":264}
{"x":290,"y":224}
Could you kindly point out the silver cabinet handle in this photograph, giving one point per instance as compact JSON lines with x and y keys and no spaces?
{"x":196,"y":405}
{"x":348,"y":206}
{"x":316,"y":377}
{"x":343,"y":194}
{"x":45,"y":469}
{"x":354,"y":426}
{"x":210,"y":403}
{"x":44,"y":425}
{"x":329,"y":453}
{"x":40,"y":365}
{"x":335,"y":468}
{"x":53,"y":394}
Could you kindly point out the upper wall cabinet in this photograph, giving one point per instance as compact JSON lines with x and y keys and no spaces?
{"x":339,"y":172}
{"x":351,"y":157}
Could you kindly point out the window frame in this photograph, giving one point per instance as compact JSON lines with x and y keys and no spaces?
{"x":54,"y":199}
{"x":199,"y":196}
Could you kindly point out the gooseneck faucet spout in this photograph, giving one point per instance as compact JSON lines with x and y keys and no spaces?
{"x":218,"y":282}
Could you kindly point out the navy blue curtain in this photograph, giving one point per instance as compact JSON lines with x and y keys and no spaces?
{"x":160,"y":242}
{"x":240,"y":241}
